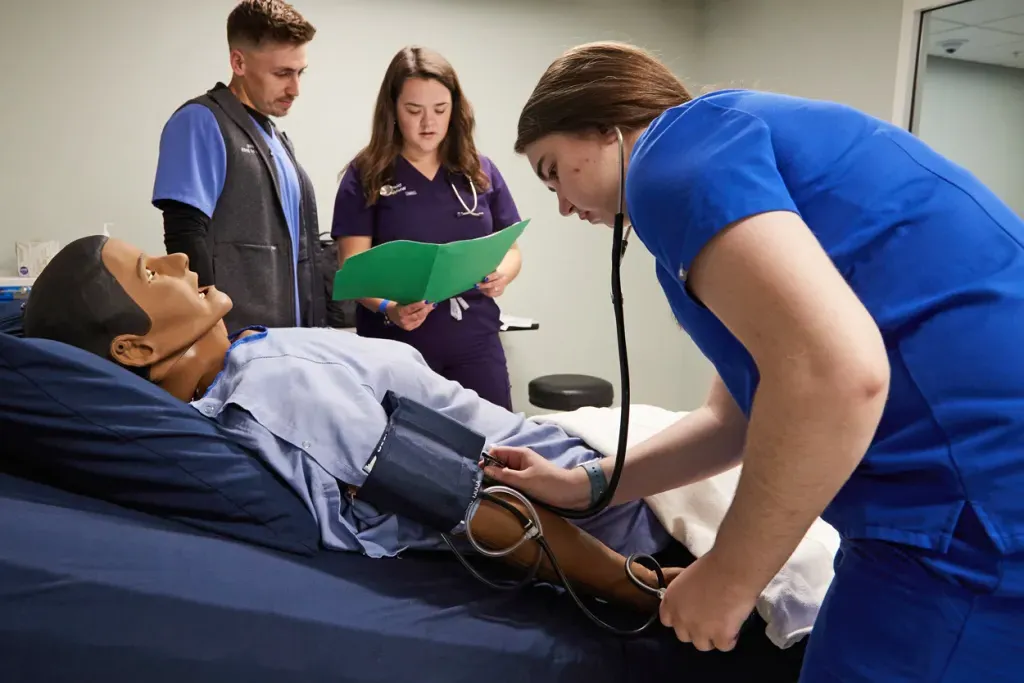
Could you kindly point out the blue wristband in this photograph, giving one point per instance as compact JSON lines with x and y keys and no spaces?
{"x":595,"y":474}
{"x":383,"y":306}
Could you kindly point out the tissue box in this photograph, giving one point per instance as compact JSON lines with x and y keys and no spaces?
{"x":33,"y":256}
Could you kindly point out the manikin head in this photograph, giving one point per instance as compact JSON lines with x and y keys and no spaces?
{"x":421,"y":113}
{"x":267,"y":39}
{"x":567,"y":129}
{"x":145,"y":313}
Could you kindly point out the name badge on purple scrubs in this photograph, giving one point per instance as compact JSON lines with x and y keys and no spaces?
{"x":388,"y":190}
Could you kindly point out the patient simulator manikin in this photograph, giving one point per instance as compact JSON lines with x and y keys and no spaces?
{"x":309,"y":402}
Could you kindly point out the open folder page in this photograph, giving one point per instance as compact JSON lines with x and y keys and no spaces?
{"x":405,"y":271}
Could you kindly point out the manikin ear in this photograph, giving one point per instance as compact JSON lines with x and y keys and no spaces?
{"x":133,"y":351}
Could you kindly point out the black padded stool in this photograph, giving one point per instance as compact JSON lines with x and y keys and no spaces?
{"x":569,"y":392}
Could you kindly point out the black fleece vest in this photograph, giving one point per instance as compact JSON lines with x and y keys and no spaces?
{"x":248,"y":236}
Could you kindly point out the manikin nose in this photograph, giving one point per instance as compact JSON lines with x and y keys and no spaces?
{"x":179,"y":262}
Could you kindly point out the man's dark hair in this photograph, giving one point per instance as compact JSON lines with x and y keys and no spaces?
{"x":254,"y":22}
{"x":78,"y":301}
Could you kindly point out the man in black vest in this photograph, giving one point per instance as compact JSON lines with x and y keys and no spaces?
{"x":233,"y":196}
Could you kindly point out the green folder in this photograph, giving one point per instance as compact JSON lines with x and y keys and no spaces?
{"x":406,"y":272}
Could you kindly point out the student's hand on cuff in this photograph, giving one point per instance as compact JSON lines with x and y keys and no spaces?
{"x":542,"y":480}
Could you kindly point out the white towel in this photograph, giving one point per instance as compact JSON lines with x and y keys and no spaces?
{"x":692,"y":515}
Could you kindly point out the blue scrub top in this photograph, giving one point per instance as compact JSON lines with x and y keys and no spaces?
{"x":937,"y":259}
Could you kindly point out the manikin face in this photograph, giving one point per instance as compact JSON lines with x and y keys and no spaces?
{"x":582,"y":171}
{"x":270,"y":75}
{"x":424,"y":109}
{"x":179,"y":311}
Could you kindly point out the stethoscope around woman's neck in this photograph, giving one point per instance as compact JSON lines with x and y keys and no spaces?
{"x":620,"y":217}
{"x":619,"y":240}
{"x":467,"y":211}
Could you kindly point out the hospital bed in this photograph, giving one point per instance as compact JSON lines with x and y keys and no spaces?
{"x":109,"y":588}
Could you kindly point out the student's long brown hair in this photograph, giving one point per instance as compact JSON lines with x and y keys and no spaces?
{"x":596,"y":87}
{"x":375,"y":162}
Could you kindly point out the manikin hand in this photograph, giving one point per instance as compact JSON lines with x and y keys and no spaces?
{"x":705,"y":606}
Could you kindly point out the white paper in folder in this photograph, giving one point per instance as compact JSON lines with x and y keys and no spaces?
{"x":33,"y":256}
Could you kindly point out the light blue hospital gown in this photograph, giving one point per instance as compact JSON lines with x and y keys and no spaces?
{"x":308,"y":401}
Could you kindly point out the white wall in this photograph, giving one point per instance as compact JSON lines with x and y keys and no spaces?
{"x":842,"y":50}
{"x":89,"y":87}
{"x":974,"y":114}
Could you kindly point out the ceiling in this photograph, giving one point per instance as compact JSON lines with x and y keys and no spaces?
{"x":986,"y":31}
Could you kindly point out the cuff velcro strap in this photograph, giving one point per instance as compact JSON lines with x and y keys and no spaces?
{"x":595,"y":474}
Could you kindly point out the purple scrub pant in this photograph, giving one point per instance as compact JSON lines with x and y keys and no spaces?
{"x":477,"y":363}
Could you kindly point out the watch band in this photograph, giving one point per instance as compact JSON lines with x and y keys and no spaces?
{"x":595,"y":474}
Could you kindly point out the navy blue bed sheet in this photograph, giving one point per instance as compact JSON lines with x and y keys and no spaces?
{"x":10,"y":318}
{"x":94,"y":592}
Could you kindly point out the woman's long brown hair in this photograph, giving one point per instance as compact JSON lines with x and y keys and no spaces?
{"x":597,"y":87}
{"x":375,"y":162}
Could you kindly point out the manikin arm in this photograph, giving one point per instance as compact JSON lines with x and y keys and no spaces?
{"x":590,"y":566}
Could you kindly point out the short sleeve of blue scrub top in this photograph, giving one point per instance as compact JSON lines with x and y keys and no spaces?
{"x":701,"y":169}
{"x":193,"y":159}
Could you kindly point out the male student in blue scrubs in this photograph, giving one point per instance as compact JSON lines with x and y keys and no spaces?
{"x":234,"y":198}
{"x":862,"y":300}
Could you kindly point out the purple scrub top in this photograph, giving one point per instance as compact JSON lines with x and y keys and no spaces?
{"x":425,"y":210}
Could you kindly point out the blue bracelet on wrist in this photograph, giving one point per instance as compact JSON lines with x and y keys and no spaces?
{"x":383,"y":306}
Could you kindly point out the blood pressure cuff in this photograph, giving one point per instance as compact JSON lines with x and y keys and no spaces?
{"x":425,"y":467}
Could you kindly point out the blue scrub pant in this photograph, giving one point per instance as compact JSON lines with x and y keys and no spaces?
{"x":896,"y":613}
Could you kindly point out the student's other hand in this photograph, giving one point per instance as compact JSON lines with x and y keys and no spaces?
{"x":705,"y":606}
{"x":409,"y":316}
{"x":542,"y":480}
{"x":494,"y":284}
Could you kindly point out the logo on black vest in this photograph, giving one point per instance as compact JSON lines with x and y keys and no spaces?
{"x":249,"y":149}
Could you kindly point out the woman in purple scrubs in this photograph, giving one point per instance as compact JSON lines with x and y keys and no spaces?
{"x":420,"y":178}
